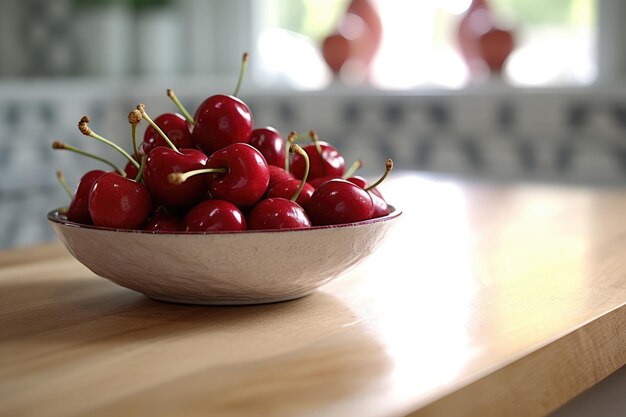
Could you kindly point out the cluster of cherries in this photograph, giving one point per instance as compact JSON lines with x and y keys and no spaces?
{"x":214,"y":172}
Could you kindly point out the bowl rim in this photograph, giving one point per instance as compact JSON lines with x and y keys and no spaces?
{"x":55,"y":216}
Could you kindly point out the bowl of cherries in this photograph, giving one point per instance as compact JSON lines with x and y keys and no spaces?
{"x":210,"y":210}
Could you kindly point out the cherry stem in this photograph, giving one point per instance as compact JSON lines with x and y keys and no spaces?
{"x":316,"y":141}
{"x":183,"y":110}
{"x":180,"y":177}
{"x":134,"y":118}
{"x":295,"y":148}
{"x":388,"y":168}
{"x":356,"y":165}
{"x":83,"y":126}
{"x":142,"y":168}
{"x":64,"y":184}
{"x":142,"y":110}
{"x":60,"y":145}
{"x":291,"y":138}
{"x":242,"y":72}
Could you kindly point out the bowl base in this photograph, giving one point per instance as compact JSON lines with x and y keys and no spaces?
{"x":227,"y":302}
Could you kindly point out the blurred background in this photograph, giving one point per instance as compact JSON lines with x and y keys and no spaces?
{"x":497,"y":90}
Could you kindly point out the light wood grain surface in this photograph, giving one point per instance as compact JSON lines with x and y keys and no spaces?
{"x":485,"y":300}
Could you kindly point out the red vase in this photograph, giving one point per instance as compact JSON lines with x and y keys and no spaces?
{"x":356,"y":38}
{"x":484,"y":46}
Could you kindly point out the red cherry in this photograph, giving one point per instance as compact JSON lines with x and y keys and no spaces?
{"x":130,"y":169}
{"x":285,"y":189}
{"x":221,"y":120}
{"x":118,"y":202}
{"x":174,"y":126}
{"x":78,"y":210}
{"x":325,"y":160}
{"x":161,"y":221}
{"x":214,"y":215}
{"x":246,"y":178}
{"x":316,"y":182}
{"x":338,"y":201}
{"x":381,"y":208}
{"x":161,"y":163}
{"x":277,"y":175}
{"x":278,"y":213}
{"x":270,"y":143}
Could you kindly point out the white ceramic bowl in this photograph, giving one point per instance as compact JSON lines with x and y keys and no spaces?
{"x":248,"y":267}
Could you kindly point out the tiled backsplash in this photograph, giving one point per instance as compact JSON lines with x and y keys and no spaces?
{"x":561,"y":136}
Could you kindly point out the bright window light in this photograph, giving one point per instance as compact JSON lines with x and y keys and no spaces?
{"x":419,"y":44}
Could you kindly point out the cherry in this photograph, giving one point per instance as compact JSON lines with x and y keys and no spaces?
{"x":246,"y":178}
{"x":129,"y":169}
{"x":214,"y":215}
{"x":362,"y":182}
{"x":381,"y":208}
{"x":162,"y":161}
{"x":280,"y":212}
{"x":325,"y":160}
{"x":161,"y":221}
{"x":243,"y":179}
{"x":222,"y":120}
{"x":118,"y":202}
{"x":338,"y":201}
{"x":78,"y":210}
{"x":316,"y":182}
{"x":286,"y":188}
{"x":270,"y":143}
{"x":174,"y":126}
{"x":277,"y":175}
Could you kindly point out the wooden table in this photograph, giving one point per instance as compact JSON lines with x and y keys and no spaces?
{"x":485,"y":300}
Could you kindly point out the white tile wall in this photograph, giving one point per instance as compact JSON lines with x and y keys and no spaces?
{"x":507,"y":134}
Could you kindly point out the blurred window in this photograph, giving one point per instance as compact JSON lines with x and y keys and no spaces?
{"x":555,"y":42}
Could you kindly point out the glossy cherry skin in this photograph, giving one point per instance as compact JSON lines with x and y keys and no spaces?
{"x":174,"y":126}
{"x":221,"y":120}
{"x":163,"y":161}
{"x":213,"y":216}
{"x":277,"y":174}
{"x":270,"y":143}
{"x":381,"y":208}
{"x":287,"y":188}
{"x":278,"y":213}
{"x":78,"y":210}
{"x":316,"y":182}
{"x":338,"y":201}
{"x":163,"y":222}
{"x":130,"y":169}
{"x":118,"y":202}
{"x":329,"y":163}
{"x":246,"y":178}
